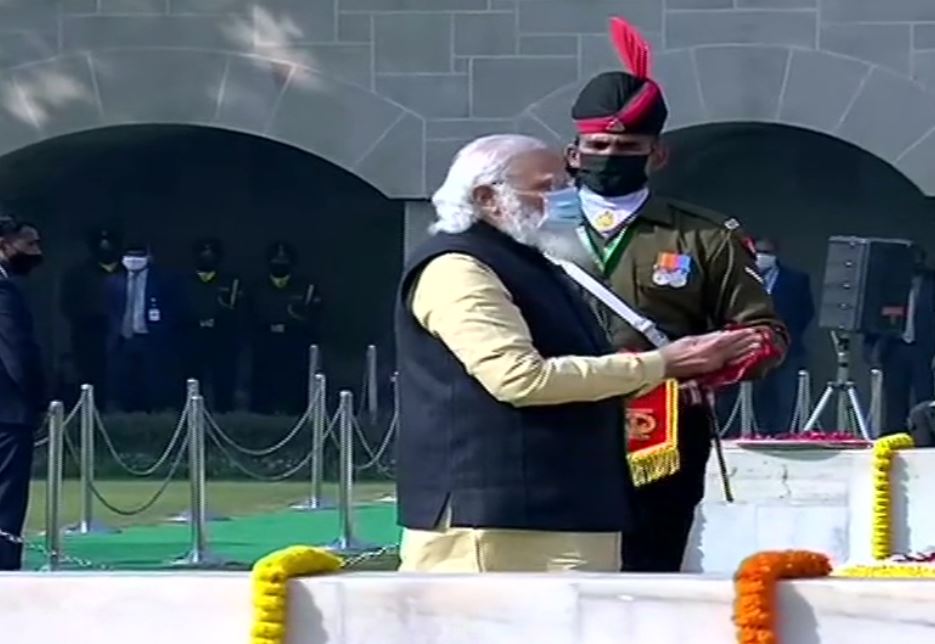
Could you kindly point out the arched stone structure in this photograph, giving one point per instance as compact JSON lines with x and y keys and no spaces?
{"x":359,"y":130}
{"x":390,"y":89}
{"x":862,"y":103}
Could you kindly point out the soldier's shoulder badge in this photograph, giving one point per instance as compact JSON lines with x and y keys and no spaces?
{"x":733,"y":226}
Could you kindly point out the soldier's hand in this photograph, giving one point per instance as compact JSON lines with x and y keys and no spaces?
{"x":698,"y":355}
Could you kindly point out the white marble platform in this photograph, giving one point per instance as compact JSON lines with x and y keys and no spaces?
{"x":390,"y":608}
{"x":816,"y":499}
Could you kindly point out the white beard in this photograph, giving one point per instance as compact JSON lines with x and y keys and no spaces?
{"x":565,"y":244}
{"x":522,"y":224}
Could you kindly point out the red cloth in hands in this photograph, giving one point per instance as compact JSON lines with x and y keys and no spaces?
{"x":734,"y":373}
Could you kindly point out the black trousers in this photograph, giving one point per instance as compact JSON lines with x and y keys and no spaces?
{"x":16,"y":449}
{"x":907,"y":381}
{"x":279,"y":379}
{"x":212,"y":359}
{"x":143,"y":376}
{"x":665,"y":509}
{"x":89,"y":350}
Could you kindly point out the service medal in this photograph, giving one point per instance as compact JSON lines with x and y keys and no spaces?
{"x":678,"y":279}
{"x":661,"y":277}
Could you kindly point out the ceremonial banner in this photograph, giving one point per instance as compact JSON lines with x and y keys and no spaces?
{"x":652,"y":433}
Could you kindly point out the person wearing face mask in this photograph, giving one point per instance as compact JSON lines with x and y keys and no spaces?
{"x":212,"y":324}
{"x":284,"y":319}
{"x":681,"y":267}
{"x":791,"y":291}
{"x":22,"y":387}
{"x":907,"y":360}
{"x":509,"y":455}
{"x":84,"y":306}
{"x":144,"y":319}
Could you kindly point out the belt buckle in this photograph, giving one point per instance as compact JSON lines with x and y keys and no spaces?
{"x":207,"y":324}
{"x":277,"y":328}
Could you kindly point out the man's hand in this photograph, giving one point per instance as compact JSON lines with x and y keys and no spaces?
{"x":697,"y":355}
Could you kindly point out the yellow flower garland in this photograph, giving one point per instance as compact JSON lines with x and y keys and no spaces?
{"x":883,"y":449}
{"x":888,"y":571}
{"x":270,"y":578}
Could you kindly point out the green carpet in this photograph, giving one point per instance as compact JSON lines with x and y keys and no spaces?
{"x":240,"y":541}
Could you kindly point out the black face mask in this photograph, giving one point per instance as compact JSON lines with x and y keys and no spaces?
{"x":612,"y":175}
{"x":23,"y":263}
{"x":206,"y":263}
{"x":280,"y":269}
{"x":106,"y":255}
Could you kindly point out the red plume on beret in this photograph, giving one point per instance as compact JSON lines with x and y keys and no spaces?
{"x":642,"y":107}
{"x":631,"y":46}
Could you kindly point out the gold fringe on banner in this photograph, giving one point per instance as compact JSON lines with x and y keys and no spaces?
{"x":652,"y":434}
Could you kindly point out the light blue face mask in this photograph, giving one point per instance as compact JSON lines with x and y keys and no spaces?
{"x":562,"y":209}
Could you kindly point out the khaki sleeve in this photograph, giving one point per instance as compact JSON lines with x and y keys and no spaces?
{"x":463,"y":303}
{"x":734,"y":291}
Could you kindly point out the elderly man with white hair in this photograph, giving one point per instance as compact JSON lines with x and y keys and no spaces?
{"x":511,"y":452}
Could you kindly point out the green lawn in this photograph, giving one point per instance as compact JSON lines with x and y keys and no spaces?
{"x":225,"y":498}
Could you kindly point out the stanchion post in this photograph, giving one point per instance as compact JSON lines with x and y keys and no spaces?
{"x":314,"y":368}
{"x":804,"y":399}
{"x":193,"y":390}
{"x":316,"y":499}
{"x":87,"y":420}
{"x":373,"y":400}
{"x":346,"y":543}
{"x":199,"y":556}
{"x":395,"y":382}
{"x":746,"y":410}
{"x":53,"y":490}
{"x":876,"y":402}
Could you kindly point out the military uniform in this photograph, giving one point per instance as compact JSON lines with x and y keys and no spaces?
{"x":718,"y":287}
{"x":683,"y":267}
{"x":83,"y":305}
{"x":283,"y":326}
{"x":212,"y":332}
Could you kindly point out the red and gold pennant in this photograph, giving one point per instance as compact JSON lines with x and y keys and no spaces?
{"x":652,"y":433}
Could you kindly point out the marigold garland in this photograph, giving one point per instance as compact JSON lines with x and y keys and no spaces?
{"x":883,"y":449}
{"x":270,"y":578}
{"x":755,"y":588}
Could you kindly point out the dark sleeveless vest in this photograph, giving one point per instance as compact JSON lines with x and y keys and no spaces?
{"x":554,"y":467}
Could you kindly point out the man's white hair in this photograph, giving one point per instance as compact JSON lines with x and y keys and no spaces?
{"x":484,"y":161}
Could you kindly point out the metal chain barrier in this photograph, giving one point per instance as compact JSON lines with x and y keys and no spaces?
{"x":265,"y":451}
{"x":194,"y":425}
{"x":148,"y":471}
{"x":289,"y":473}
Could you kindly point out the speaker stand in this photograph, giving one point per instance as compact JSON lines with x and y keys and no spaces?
{"x":845,"y":393}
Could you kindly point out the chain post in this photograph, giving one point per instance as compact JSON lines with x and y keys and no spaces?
{"x":346,"y":543}
{"x":373,"y":390}
{"x":316,"y":499}
{"x":53,"y":491}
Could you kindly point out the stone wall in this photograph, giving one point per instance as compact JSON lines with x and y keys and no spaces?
{"x":391,"y":88}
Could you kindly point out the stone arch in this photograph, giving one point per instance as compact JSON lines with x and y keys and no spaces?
{"x":872,"y":107}
{"x":375,"y":138}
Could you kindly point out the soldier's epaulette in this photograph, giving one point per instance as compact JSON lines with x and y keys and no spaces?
{"x":715,"y":219}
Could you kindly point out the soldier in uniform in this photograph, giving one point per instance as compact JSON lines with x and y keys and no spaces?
{"x":284,"y":311}
{"x":681,"y":266}
{"x":84,"y":306}
{"x":212,"y":324}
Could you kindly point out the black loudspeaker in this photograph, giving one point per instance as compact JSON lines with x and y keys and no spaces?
{"x":866,"y":287}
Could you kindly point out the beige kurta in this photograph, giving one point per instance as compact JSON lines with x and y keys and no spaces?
{"x":463,"y":303}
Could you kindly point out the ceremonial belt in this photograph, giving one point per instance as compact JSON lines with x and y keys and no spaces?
{"x":652,"y":419}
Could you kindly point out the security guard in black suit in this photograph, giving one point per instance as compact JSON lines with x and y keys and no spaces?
{"x":213,"y":324}
{"x":21,"y":384}
{"x":284,"y":316}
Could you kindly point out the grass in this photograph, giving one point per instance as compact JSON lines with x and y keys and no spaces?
{"x":226,"y":498}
